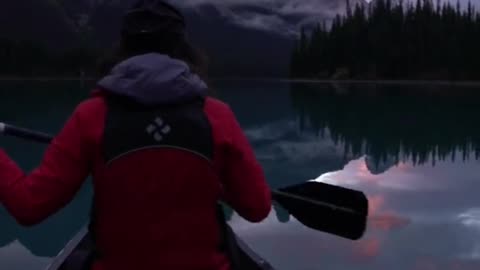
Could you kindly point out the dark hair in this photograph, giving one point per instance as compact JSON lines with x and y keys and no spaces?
{"x":154,"y":27}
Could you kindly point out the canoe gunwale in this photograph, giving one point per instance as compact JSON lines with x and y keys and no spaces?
{"x":75,"y":244}
{"x":69,"y":248}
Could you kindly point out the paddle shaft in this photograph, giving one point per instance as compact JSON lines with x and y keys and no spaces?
{"x":46,"y":138}
{"x":26,"y":134}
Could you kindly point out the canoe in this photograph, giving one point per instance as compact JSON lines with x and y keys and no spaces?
{"x":76,"y":254}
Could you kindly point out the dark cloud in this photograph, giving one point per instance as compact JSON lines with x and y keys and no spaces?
{"x":281,"y":16}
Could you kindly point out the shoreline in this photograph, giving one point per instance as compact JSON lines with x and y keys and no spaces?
{"x":378,"y":82}
{"x":283,"y":80}
{"x":46,"y":79}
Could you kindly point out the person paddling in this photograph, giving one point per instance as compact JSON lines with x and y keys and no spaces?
{"x":162,"y":153}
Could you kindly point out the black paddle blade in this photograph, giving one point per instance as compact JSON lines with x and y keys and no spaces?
{"x":327,"y":208}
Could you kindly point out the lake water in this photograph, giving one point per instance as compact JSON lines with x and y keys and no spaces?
{"x":413,"y":149}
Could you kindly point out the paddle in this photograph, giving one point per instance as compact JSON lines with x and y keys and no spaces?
{"x":24,"y":133}
{"x":328,"y":208}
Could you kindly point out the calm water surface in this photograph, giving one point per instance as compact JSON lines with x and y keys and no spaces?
{"x":413,"y":149}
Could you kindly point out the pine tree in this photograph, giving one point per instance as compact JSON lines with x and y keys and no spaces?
{"x":394,"y":40}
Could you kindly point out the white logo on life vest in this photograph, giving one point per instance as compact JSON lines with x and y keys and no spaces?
{"x":158,"y":129}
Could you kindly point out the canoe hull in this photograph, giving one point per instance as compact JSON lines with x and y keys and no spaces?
{"x":77,"y":255}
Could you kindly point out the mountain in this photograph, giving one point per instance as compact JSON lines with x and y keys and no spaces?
{"x":240,"y":40}
{"x":41,"y":20}
{"x":233,"y":50}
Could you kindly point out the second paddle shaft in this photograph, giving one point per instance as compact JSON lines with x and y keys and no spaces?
{"x":25,"y":133}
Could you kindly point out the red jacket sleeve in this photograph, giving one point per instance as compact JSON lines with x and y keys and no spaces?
{"x":245,"y":186}
{"x":65,"y":165}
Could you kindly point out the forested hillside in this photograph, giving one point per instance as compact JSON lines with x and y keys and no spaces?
{"x":393,"y":40}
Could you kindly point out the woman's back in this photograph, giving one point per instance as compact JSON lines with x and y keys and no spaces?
{"x":156,"y":192}
{"x":162,"y":155}
{"x":161,"y":168}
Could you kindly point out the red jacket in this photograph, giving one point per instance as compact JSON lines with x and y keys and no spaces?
{"x":155,"y":206}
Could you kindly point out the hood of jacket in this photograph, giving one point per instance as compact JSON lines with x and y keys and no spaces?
{"x":154,"y":79}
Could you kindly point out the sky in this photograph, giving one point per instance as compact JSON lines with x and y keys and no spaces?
{"x":281,"y":16}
